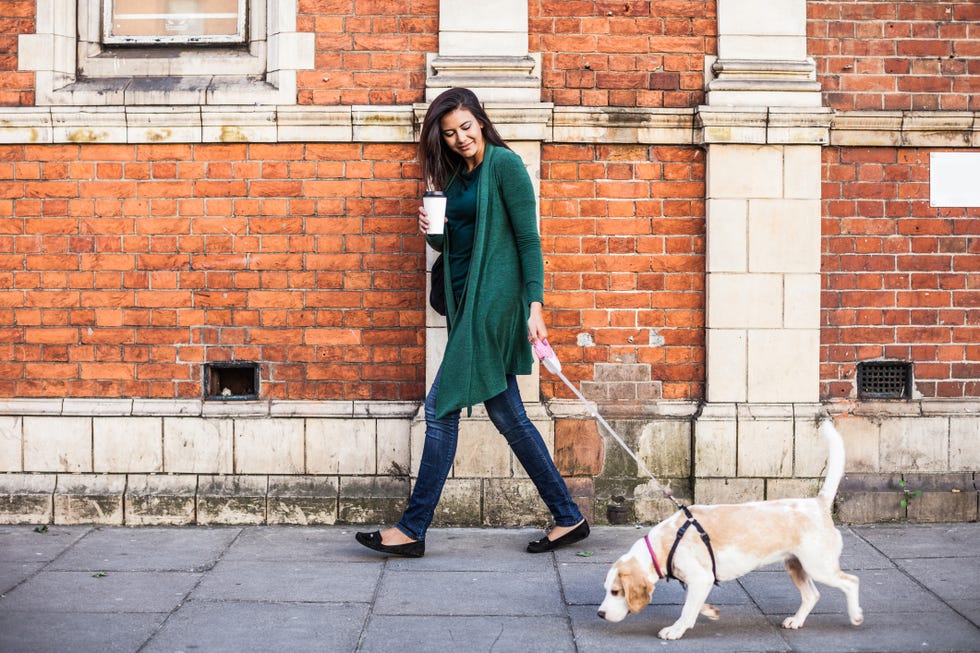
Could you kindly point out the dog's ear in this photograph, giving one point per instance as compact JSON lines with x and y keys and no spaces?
{"x":636,"y":587}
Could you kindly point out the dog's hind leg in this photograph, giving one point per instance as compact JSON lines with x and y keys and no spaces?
{"x":844,"y":582}
{"x":808,"y":593}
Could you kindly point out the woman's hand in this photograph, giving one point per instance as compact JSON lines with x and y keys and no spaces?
{"x":536,"y":329}
{"x":423,"y":220}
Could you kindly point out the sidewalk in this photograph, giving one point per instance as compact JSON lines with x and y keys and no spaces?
{"x":78,"y":589}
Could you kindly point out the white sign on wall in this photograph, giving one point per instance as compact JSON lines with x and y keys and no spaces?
{"x":954,"y":179}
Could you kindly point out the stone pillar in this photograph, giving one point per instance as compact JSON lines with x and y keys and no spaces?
{"x":763,"y":128}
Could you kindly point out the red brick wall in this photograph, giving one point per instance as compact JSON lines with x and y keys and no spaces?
{"x":368,"y":51}
{"x":626,"y":54}
{"x":124,"y":268}
{"x":623,"y":238}
{"x":901,"y":279}
{"x":888,"y":55}
{"x":16,"y":87}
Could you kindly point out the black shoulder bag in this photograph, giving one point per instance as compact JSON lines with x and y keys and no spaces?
{"x":437,"y":294}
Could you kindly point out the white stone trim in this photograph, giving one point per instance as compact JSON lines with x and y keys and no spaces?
{"x":71,"y":67}
{"x":82,"y":407}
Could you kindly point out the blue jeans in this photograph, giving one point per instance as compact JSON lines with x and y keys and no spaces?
{"x":506,"y":411}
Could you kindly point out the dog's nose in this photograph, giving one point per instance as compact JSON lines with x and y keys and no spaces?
{"x":602,"y":614}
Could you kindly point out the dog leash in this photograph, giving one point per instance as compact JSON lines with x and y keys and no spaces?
{"x":549,"y":359}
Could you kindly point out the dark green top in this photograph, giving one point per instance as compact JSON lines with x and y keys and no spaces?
{"x":461,"y":211}
{"x":488,"y":332}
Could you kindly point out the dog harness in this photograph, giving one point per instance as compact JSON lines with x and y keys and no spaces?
{"x":656,"y":565}
{"x":680,"y":534}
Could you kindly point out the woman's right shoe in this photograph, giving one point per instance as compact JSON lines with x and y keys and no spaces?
{"x":373,"y":541}
{"x":544,"y":545}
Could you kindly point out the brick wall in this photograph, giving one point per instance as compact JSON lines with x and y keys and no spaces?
{"x":901,"y":279}
{"x":627,"y":54}
{"x":887,"y":55}
{"x":369,"y":51}
{"x":125,"y":268}
{"x":623,"y":237}
{"x":16,"y":88}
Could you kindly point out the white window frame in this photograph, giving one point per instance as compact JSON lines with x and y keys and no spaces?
{"x":110,"y":39}
{"x":73,"y":67}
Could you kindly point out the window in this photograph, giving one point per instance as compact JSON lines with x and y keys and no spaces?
{"x":173,"y":21}
{"x":166,"y":52}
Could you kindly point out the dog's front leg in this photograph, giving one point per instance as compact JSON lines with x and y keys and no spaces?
{"x":697,"y":592}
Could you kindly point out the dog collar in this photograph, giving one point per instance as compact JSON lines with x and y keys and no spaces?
{"x":656,"y":565}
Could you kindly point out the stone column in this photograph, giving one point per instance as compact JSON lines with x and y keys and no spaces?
{"x":763,"y":128}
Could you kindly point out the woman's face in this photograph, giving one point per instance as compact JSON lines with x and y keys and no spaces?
{"x":463,"y":134}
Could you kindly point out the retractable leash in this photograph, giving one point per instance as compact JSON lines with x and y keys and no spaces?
{"x":549,"y":359}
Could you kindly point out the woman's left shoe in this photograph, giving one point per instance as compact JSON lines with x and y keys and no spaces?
{"x":543,"y":545}
{"x":373,"y":541}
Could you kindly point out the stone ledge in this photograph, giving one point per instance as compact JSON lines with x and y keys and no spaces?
{"x":199,"y":408}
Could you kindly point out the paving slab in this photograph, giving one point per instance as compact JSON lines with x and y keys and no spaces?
{"x":305,"y":581}
{"x":469,"y":593}
{"x":923,"y":540}
{"x":906,"y":632}
{"x":77,"y":632}
{"x":37,"y":543}
{"x":84,"y":591}
{"x":286,"y":543}
{"x":13,"y":574}
{"x":234,"y":627}
{"x":497,"y":634}
{"x":147,"y":549}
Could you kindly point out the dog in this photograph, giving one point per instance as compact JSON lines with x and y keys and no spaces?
{"x":738,"y":538}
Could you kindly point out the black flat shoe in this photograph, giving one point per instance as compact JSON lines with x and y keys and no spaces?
{"x":543,"y":545}
{"x":373,"y":541}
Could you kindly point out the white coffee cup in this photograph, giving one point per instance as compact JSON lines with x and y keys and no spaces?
{"x":434,"y":202}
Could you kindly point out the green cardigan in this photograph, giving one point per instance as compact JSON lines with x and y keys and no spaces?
{"x":488,"y":333}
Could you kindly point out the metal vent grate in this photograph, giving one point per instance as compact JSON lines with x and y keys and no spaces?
{"x":236,"y":380}
{"x":884,"y":380}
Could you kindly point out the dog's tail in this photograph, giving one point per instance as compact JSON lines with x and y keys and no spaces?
{"x":835,"y":461}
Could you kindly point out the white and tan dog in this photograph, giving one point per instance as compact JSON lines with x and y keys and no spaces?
{"x":745,"y":536}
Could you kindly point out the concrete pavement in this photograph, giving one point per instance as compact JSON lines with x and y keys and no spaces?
{"x":78,"y":589}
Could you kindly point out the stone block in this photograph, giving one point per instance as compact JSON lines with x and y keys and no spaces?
{"x":195,"y":445}
{"x":783,"y":365}
{"x":744,"y":171}
{"x":482,"y":451}
{"x":303,"y":500}
{"x":765,"y":447}
{"x":868,"y":507}
{"x":160,"y":499}
{"x":801,"y":301}
{"x":739,"y":301}
{"x":371,"y":500}
{"x":964,"y":443}
{"x":27,"y":498}
{"x":341,"y":446}
{"x":394,"y":447}
{"x":89,"y":499}
{"x":57,"y":444}
{"x":918,"y":444}
{"x":232,"y":499}
{"x":664,"y":447}
{"x":513,"y":502}
{"x":810,"y":449}
{"x":727,"y":364}
{"x":653,"y":509}
{"x":461,"y":503}
{"x":861,"y":443}
{"x":784,"y":235}
{"x":269,"y":446}
{"x":579,"y":449}
{"x":729,"y":490}
{"x":715,"y":445}
{"x":949,"y":506}
{"x":726,"y":227}
{"x":11,"y":443}
{"x":127,"y":444}
{"x":582,"y":490}
{"x":801,"y":170}
{"x":792,"y":488}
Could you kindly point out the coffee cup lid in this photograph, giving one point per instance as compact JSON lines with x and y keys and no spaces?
{"x":434,"y":193}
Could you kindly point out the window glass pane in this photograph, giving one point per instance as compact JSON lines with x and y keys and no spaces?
{"x":174,"y":21}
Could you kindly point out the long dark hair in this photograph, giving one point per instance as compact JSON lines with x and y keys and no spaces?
{"x":439,"y":162}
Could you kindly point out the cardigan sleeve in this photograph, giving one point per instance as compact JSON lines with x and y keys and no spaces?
{"x":518,"y":196}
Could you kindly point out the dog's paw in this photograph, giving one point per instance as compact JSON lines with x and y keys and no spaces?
{"x":857,"y":619}
{"x":793,"y":622}
{"x":710,"y":611}
{"x":672,"y":632}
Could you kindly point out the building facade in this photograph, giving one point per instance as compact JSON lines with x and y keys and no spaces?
{"x":213,"y":296}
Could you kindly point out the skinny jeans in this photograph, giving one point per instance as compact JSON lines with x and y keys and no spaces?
{"x":506,"y":411}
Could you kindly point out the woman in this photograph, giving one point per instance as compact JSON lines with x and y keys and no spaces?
{"x":494,"y":292}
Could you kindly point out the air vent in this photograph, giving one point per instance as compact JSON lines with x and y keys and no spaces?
{"x":884,"y":380}
{"x":231,"y":380}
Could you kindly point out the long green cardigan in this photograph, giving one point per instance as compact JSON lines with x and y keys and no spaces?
{"x":488,"y":333}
